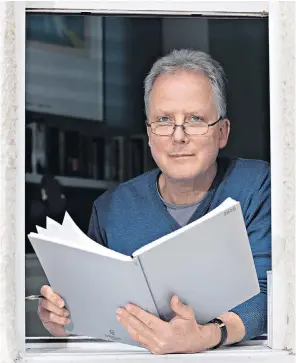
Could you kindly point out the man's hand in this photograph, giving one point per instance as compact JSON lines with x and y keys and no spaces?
{"x":52,"y":313}
{"x":181,"y":335}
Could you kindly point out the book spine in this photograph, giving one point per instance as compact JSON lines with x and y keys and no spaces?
{"x":144,"y":274}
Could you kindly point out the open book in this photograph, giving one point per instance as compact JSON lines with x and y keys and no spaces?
{"x":207,"y":263}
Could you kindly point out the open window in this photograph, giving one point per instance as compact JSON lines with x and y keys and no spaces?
{"x":245,"y":37}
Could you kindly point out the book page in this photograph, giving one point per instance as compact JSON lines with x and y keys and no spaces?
{"x":83,"y":240}
{"x":80,"y":237}
{"x":68,"y":241}
{"x":56,"y":231}
{"x":70,"y":234}
{"x":51,"y":224}
{"x":41,"y":230}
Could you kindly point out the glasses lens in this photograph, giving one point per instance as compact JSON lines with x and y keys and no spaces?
{"x":162,"y":128}
{"x":191,"y":128}
{"x":196,"y":128}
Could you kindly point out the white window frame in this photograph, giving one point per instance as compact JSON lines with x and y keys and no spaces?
{"x":282,"y":317}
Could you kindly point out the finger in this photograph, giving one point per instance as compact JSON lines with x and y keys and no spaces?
{"x":47,"y":317}
{"x":182,"y":310}
{"x":55,"y":329}
{"x":50,"y":295}
{"x":150,"y":320}
{"x":144,"y":341}
{"x":130,"y":321}
{"x":47,"y":305}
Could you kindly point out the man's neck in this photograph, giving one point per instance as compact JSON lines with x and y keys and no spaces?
{"x":186,"y":191}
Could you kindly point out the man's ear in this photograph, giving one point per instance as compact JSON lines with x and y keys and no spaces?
{"x":224,"y":133}
{"x":148,"y":134}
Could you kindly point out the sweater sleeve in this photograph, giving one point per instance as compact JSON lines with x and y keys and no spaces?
{"x":253,"y":312}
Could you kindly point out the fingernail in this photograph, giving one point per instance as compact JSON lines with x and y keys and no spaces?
{"x":118,"y":317}
{"x":177,"y":299}
{"x":68,"y":321}
{"x":119,"y":311}
{"x":66,"y":313}
{"x":61,"y":304}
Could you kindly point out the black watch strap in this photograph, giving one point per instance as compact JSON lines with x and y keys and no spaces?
{"x":223,"y":329}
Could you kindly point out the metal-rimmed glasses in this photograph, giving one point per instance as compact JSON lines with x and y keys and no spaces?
{"x":190,"y":128}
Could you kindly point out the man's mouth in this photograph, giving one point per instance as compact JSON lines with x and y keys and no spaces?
{"x":181,"y":155}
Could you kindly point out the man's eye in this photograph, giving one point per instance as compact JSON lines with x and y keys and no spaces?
{"x":195,"y":118}
{"x":164,"y":119}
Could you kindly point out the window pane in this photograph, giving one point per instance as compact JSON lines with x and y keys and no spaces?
{"x":85,"y":119}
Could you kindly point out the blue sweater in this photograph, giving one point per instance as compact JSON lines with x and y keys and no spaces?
{"x":133,"y":215}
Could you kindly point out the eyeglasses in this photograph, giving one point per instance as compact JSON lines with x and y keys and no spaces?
{"x":189,"y":127}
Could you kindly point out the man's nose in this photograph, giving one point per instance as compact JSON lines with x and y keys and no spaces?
{"x":179,"y":134}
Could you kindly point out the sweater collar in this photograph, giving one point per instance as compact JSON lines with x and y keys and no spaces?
{"x":222,"y":166}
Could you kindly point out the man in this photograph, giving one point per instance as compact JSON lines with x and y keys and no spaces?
{"x":187,"y":126}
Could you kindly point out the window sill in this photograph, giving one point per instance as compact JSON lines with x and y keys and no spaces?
{"x":112,"y":352}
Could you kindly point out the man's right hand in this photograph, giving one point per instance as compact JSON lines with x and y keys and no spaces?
{"x":52,"y":312}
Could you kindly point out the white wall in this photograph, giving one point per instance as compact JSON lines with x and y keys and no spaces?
{"x":185,"y":33}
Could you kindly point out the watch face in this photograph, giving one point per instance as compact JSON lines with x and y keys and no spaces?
{"x":218,"y":322}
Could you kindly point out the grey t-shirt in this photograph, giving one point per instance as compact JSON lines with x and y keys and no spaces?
{"x":181,"y":213}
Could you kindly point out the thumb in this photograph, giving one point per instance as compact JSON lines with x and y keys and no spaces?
{"x":181,"y":310}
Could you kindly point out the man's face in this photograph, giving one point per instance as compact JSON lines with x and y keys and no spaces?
{"x":178,"y":97}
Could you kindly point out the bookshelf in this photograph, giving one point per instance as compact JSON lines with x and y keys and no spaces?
{"x":77,"y":159}
{"x":74,"y":158}
{"x":73,"y":182}
{"x":138,"y":155}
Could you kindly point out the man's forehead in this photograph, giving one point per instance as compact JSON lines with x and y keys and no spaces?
{"x":185,"y":110}
{"x":190,"y":104}
{"x":186,"y":88}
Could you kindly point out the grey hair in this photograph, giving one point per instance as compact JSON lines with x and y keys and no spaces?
{"x":192,"y":61}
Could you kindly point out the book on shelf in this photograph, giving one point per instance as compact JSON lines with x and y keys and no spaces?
{"x":36,"y":146}
{"x":138,"y":155}
{"x":114,"y":159}
{"x":94,"y":281}
{"x":53,"y":149}
{"x":98,"y":158}
{"x":72,"y":154}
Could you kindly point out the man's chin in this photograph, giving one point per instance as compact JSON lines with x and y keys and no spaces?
{"x":182,"y":175}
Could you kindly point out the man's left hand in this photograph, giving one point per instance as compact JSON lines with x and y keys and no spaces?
{"x":180,"y":335}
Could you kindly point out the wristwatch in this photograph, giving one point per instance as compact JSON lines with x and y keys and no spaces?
{"x":223,"y":329}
